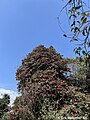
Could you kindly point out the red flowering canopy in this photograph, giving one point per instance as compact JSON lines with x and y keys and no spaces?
{"x":42,"y":73}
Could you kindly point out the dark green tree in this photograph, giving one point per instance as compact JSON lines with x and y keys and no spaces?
{"x":4,"y":102}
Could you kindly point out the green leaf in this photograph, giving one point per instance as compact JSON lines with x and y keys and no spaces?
{"x":82,"y":18}
{"x":75,"y":39}
{"x":83,"y":52}
{"x":74,"y":16}
{"x":84,"y":21}
{"x":83,"y":14}
{"x":78,"y":21}
{"x":88,"y":14}
{"x":64,"y":35}
{"x":70,"y":17}
{"x":76,"y":29}
{"x":78,"y":13}
{"x":72,"y":29}
{"x":78,"y":7}
{"x":73,"y":23}
{"x":83,"y":32}
{"x":89,"y":44}
{"x":79,"y":48}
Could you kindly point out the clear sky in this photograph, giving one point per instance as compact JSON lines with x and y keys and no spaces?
{"x":25,"y":24}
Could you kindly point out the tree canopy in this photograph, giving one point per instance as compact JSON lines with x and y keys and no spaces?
{"x":44,"y":87}
{"x":4,"y":102}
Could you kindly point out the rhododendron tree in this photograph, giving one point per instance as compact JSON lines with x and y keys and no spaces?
{"x":42,"y":74}
{"x":42,"y":83}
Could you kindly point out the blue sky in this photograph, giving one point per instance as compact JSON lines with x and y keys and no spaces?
{"x":25,"y":24}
